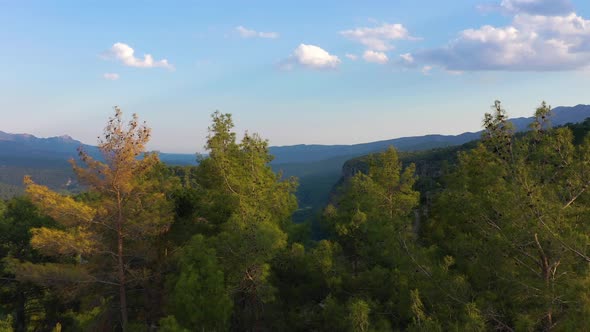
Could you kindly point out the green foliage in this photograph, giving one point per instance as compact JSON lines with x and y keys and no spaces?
{"x":256,"y":205}
{"x":511,"y":215}
{"x":358,"y":315}
{"x":421,"y":321}
{"x":17,"y":217}
{"x":28,"y":304}
{"x":335,"y":314}
{"x":374,"y":208}
{"x":371,"y":220}
{"x":491,"y":235}
{"x":118,"y":220}
{"x":199,"y":298}
{"x":169,"y":324}
{"x":88,"y":320}
{"x":6,"y":324}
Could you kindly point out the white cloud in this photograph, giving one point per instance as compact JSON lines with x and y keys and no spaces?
{"x":312,"y":56}
{"x":530,"y":43}
{"x":531,"y":7}
{"x":378,"y":38}
{"x":248,"y":33}
{"x":554,"y":26}
{"x":454,"y":72}
{"x":375,"y":57}
{"x":407,"y":58}
{"x":126,"y":55}
{"x":111,"y":76}
{"x":426,"y":70}
{"x":352,"y":57}
{"x":537,"y":7}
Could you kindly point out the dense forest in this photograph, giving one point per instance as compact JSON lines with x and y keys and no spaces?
{"x":492,"y":235}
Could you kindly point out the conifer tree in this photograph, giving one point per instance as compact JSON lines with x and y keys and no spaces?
{"x":105,"y":237}
{"x":256,"y":205}
{"x":199,"y":298}
{"x":374,"y":206}
{"x":512,"y":217}
{"x":31,"y":306}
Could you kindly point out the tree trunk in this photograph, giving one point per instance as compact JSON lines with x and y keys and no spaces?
{"x":121,"y":266}
{"x":19,"y":319}
{"x":546,"y":271}
{"x":122,"y":292}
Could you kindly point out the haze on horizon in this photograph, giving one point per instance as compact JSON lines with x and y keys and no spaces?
{"x":297,"y":73}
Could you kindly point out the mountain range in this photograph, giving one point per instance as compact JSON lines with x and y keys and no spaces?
{"x":318,"y":167}
{"x":312,"y":153}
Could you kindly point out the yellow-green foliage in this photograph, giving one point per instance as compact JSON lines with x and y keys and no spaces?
{"x":6,"y":324}
{"x":111,"y":225}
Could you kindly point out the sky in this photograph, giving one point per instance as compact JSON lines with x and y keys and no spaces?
{"x":296,"y":72}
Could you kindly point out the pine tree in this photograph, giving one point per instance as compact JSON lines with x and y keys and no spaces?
{"x":374,"y":209}
{"x":512,"y":217}
{"x":105,"y":236}
{"x":31,"y":306}
{"x":254,"y":205}
{"x":199,"y":298}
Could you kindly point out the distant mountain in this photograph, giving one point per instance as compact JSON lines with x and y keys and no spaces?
{"x":29,"y":142}
{"x":317,"y":166}
{"x":560,"y":116}
{"x":313,"y":153}
{"x":28,"y":150}
{"x":46,"y":160}
{"x":430,"y":163}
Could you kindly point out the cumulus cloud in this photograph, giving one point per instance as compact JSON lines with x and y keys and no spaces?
{"x":375,"y":57}
{"x":378,"y":38}
{"x":538,"y":7}
{"x":454,"y":72}
{"x":352,"y":57}
{"x":126,"y":55}
{"x":111,"y":76}
{"x":407,"y":58}
{"x":426,"y":70}
{"x":313,"y":57}
{"x":530,"y":43}
{"x":249,"y":33}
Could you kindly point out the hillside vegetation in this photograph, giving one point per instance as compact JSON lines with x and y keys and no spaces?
{"x":318,"y":167}
{"x":491,"y":235}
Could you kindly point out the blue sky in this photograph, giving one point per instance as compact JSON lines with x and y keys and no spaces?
{"x":329,"y":72}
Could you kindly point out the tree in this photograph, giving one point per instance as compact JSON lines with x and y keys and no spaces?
{"x":374,"y":208}
{"x":30,"y":305}
{"x":105,"y":235}
{"x":512,"y":216}
{"x":199,"y":298}
{"x":359,"y":315}
{"x":251,"y":206}
{"x":371,"y":219}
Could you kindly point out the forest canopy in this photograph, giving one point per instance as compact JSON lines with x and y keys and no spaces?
{"x":498,"y":240}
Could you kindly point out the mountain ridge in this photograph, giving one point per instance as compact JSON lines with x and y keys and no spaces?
{"x":315,"y":165}
{"x":301,"y":153}
{"x":316,"y":152}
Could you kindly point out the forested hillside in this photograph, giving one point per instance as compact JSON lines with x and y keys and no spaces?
{"x":486,"y":236}
{"x":312,"y":153}
{"x":318,"y":167}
